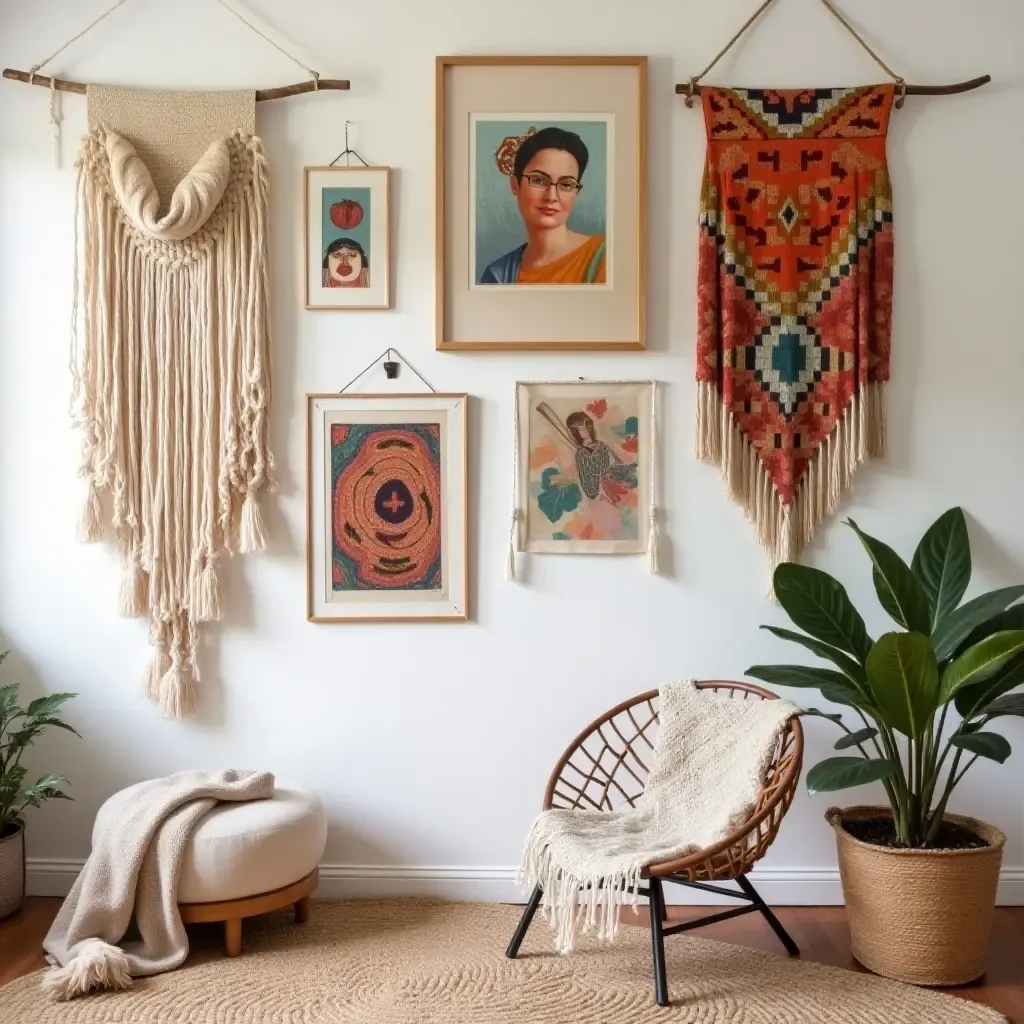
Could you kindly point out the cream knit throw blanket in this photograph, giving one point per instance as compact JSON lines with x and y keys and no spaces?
{"x":171,"y":367}
{"x":133,"y":869}
{"x":710,"y":760}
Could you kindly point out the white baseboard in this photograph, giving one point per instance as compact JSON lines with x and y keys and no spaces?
{"x":779,"y":886}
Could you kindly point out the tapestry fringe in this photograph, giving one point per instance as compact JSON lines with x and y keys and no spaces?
{"x":170,"y":363}
{"x":785,"y":530}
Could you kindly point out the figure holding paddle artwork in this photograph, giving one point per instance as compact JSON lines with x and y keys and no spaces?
{"x":598,"y":467}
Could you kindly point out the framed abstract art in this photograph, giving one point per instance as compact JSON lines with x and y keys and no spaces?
{"x":387,"y":510}
{"x":541,"y":190}
{"x":585,"y":477}
{"x":346,"y":219}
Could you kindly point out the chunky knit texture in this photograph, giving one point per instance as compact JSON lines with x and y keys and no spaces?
{"x":134,"y":868}
{"x":710,"y":760}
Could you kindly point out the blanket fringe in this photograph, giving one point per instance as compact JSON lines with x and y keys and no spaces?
{"x":573,"y":903}
{"x":785,"y":530}
{"x":96,"y":965}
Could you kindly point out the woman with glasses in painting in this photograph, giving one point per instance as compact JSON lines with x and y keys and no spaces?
{"x":545,"y":171}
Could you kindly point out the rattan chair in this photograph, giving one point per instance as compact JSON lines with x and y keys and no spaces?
{"x":606,"y":767}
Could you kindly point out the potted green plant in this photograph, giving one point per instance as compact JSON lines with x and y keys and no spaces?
{"x":18,"y":729}
{"x":919,"y":882}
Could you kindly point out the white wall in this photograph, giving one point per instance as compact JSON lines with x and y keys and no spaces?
{"x":431,"y":744}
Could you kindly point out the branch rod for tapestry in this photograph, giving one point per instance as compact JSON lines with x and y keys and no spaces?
{"x":384,"y":355}
{"x":691,"y":89}
{"x":316,"y":83}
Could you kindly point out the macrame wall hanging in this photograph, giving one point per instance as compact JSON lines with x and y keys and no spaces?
{"x":170,"y":352}
{"x":795,"y":291}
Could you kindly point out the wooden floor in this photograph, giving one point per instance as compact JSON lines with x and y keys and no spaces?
{"x":820,"y":932}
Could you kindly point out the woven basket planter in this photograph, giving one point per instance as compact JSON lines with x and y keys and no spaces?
{"x":919,"y":916}
{"x":12,"y":871}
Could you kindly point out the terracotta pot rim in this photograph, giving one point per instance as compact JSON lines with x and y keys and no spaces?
{"x":995,"y":837}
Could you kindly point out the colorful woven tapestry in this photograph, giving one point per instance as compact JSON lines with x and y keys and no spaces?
{"x":794,"y":299}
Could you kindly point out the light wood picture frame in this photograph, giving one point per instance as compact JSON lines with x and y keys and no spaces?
{"x":541,"y":194}
{"x":387,"y":508}
{"x":346,"y":233}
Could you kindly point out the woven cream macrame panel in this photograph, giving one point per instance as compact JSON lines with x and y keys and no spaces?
{"x":171,"y":130}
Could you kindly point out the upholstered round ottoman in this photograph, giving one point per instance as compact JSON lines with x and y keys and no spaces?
{"x":246,"y":858}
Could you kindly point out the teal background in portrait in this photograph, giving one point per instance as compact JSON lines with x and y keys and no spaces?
{"x":499,"y":228}
{"x":360,"y":233}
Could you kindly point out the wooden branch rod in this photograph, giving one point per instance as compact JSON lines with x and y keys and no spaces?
{"x":63,"y":85}
{"x":912,"y":90}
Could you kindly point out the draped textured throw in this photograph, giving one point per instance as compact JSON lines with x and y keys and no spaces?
{"x":171,"y":363}
{"x":794,"y":299}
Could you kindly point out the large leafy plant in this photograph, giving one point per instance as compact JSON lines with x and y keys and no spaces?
{"x":968,"y":657}
{"x":18,"y":729}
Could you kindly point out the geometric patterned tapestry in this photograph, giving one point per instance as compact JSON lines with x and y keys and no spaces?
{"x":794,"y":299}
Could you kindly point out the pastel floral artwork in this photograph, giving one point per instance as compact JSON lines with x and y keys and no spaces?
{"x":386,"y":507}
{"x":583,"y":469}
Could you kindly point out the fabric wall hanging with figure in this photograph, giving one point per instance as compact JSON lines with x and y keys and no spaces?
{"x":540,"y":202}
{"x":794,"y":299}
{"x":387,"y":507}
{"x":347,"y":237}
{"x":171,"y":362}
{"x":585,"y":469}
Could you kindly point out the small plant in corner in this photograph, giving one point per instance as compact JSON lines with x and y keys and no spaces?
{"x":19,"y":727}
{"x":903,"y":686}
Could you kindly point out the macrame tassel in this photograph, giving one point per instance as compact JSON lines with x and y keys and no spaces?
{"x":158,"y":666}
{"x":510,"y":564}
{"x":207,"y":594}
{"x":134,"y":589}
{"x":655,"y":537}
{"x":177,"y":692}
{"x":251,"y":536}
{"x":90,"y":526}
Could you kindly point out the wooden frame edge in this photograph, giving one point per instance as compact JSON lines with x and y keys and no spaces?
{"x":386,"y":169}
{"x":443,"y":344}
{"x":325,"y":620}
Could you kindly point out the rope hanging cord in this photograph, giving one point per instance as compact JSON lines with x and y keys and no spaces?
{"x":691,"y":88}
{"x":315,"y":84}
{"x":385,"y":355}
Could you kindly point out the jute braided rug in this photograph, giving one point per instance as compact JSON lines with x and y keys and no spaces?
{"x":420,"y":962}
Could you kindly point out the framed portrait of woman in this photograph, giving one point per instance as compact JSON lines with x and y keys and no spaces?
{"x":346,"y":220}
{"x":541,"y":192}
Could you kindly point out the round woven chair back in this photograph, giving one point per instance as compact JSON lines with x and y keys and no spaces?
{"x":606,"y":766}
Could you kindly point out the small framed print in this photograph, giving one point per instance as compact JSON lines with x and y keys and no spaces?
{"x":347,"y":237}
{"x":541,"y":192}
{"x":387,"y":508}
{"x":586,"y":463}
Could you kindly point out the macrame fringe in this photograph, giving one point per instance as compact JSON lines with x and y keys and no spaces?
{"x":655,"y":539}
{"x":571,"y":903}
{"x":90,"y":525}
{"x":251,"y":536}
{"x":96,"y":965}
{"x":177,"y":692}
{"x":785,"y":530}
{"x":134,"y":590}
{"x":171,"y":374}
{"x":510,"y":563}
{"x":206,"y":600}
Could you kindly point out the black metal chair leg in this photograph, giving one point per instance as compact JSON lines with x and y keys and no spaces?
{"x":524,"y":923}
{"x":776,"y":925}
{"x":657,"y":913}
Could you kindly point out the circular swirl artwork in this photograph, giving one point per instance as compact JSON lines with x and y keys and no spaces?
{"x":386,"y":487}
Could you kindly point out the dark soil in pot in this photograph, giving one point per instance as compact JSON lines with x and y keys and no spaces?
{"x":882,"y":832}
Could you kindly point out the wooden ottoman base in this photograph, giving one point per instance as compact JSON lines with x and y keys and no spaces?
{"x":231,"y":912}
